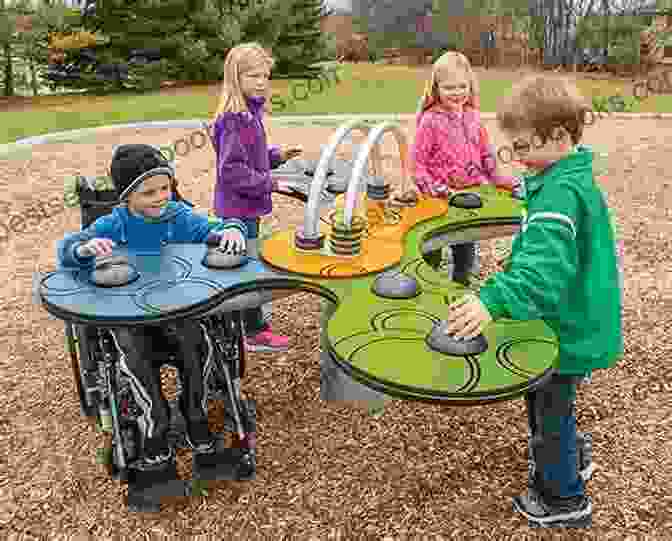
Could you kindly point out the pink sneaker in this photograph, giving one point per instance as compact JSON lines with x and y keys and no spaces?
{"x":267,"y":341}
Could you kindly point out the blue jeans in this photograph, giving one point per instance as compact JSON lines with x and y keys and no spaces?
{"x":552,"y":423}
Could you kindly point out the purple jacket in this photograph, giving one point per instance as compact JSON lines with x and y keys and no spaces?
{"x":244,"y":161}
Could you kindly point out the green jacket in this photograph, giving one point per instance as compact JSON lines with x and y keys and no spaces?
{"x":563,"y":267}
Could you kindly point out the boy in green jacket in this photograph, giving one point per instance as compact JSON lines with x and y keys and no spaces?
{"x":563,"y":269}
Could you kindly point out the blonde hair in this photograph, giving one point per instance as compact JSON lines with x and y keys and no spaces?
{"x":242,"y":58}
{"x":543,"y":103}
{"x":450,"y":61}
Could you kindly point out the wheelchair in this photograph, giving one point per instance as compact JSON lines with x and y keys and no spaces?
{"x":105,"y":394}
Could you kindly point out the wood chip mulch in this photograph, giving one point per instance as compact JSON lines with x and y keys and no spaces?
{"x":326,"y":471}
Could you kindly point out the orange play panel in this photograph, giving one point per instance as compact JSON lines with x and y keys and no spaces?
{"x":426,"y":209}
{"x":382,"y":244}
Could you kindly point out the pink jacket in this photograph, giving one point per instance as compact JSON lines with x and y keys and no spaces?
{"x":452,"y":150}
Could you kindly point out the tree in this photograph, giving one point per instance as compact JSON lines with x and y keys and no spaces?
{"x":179,"y":32}
{"x":7,"y":31}
{"x":442,"y":16}
{"x":553,"y":17}
{"x":300,"y":42}
{"x":397,"y":25}
{"x":193,"y":37}
{"x":263,"y":24}
{"x":24,"y":36}
{"x":616,"y":28}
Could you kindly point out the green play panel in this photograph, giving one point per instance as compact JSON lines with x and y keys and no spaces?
{"x":380,"y":342}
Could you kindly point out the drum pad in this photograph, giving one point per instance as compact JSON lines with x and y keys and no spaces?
{"x":113,"y":271}
{"x":439,"y":341}
{"x":219,"y":259}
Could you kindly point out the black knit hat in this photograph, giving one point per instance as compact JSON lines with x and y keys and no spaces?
{"x":132,"y":164}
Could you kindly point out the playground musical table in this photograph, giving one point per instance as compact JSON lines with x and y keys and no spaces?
{"x":378,"y":338}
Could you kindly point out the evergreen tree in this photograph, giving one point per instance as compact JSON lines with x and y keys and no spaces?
{"x":192,"y":38}
{"x":188,"y":36}
{"x":300,"y":42}
{"x":259,"y":21}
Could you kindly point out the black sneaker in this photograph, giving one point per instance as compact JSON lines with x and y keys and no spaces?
{"x":153,"y":477}
{"x":200,"y":439}
{"x":230,"y":463}
{"x":574,"y":513}
{"x":153,"y":471}
{"x":156,"y":458}
{"x":211,"y":460}
{"x":202,"y":447}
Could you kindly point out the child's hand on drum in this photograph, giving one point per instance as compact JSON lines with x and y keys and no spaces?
{"x":467,"y":317}
{"x":409,"y":196}
{"x":232,"y":241}
{"x":441,"y":190}
{"x":96,"y":247}
{"x":290,"y":151}
{"x":283,"y":187}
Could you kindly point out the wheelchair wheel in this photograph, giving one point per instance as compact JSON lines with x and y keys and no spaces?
{"x":78,"y":348}
{"x":130,"y":446}
{"x":116,"y":472}
{"x":130,"y":443}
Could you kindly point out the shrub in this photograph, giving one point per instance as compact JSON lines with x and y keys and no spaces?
{"x":77,"y":40}
{"x":331,"y":47}
{"x":148,"y":77}
{"x":354,"y":49}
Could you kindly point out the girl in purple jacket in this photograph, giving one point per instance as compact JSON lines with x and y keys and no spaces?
{"x":244,"y":160}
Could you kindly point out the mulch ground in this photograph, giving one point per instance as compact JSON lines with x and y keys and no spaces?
{"x":327,"y":471}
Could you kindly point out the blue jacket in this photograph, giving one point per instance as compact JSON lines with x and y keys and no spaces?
{"x":244,"y":161}
{"x":178,"y":224}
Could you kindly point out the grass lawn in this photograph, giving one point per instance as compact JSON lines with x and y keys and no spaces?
{"x":356,"y":89}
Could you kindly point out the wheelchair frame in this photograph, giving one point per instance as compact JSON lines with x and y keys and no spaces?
{"x":105,"y":395}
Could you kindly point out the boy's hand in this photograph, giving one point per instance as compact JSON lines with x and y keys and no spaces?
{"x":507,"y":183}
{"x":287,"y":152}
{"x":440,"y":190}
{"x":232,"y":241}
{"x":283,"y":187}
{"x":96,"y":247}
{"x":502,"y":251}
{"x":408,"y":196}
{"x":467,"y":317}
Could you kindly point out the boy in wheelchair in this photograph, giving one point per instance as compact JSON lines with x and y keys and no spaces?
{"x":145,"y":219}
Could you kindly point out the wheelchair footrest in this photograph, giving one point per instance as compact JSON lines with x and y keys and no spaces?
{"x":233,"y":464}
{"x":148,"y":499}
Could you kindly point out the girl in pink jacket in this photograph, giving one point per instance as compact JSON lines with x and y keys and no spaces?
{"x":451,"y":149}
